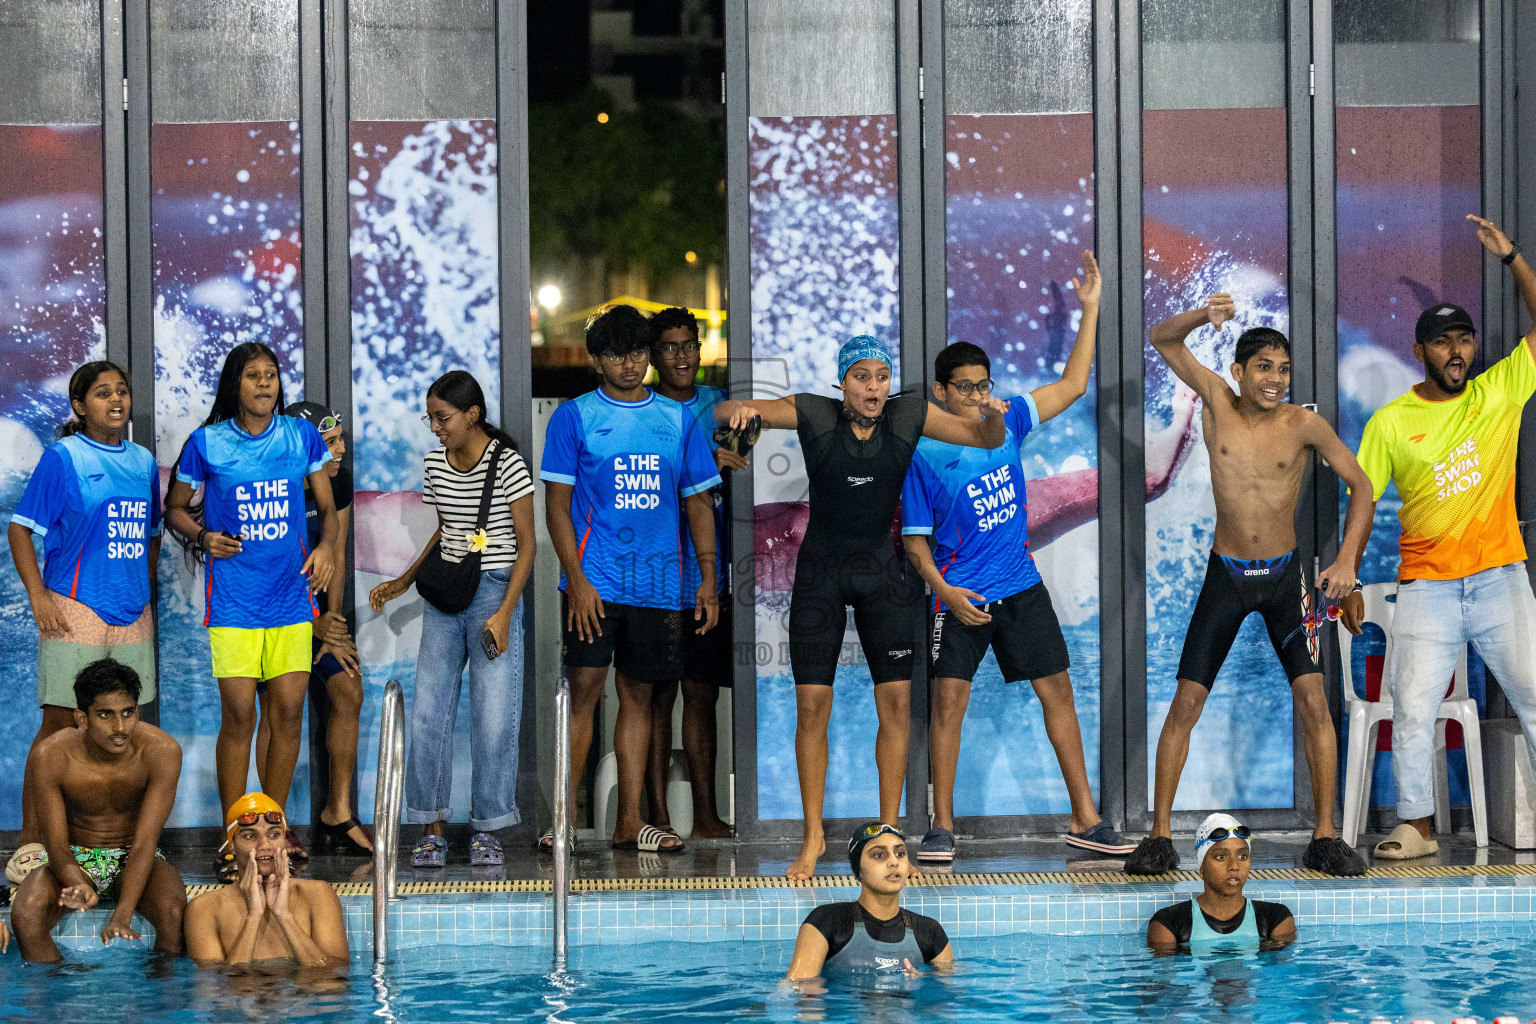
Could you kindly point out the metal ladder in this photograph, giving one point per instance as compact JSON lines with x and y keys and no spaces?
{"x":386,"y":813}
{"x":561,"y":891}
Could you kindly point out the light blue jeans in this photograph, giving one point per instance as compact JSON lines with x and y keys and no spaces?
{"x":1493,"y":610}
{"x":448,"y":642}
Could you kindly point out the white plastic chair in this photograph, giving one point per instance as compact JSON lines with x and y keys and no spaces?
{"x":679,"y":795}
{"x":1366,"y":716}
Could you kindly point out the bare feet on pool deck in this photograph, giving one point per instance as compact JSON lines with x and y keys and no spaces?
{"x":804,"y":865}
{"x":711,"y":830}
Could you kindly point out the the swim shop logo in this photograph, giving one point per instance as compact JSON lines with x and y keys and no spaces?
{"x":859,"y":481}
{"x":1459,"y":472}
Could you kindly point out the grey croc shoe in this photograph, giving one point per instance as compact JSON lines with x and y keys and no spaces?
{"x":938,"y":847}
{"x":431,"y":852}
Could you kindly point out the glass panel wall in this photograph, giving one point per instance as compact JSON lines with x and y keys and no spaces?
{"x":424,"y":297}
{"x":224,"y":170}
{"x":1408,"y":170}
{"x":824,"y":251}
{"x":52,"y":289}
{"x":1214,"y":210}
{"x":1018,"y":86}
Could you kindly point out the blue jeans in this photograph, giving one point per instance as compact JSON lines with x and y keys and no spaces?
{"x":495,"y":706}
{"x":1493,"y":610}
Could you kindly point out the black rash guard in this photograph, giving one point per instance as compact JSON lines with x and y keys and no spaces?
{"x":836,"y":922}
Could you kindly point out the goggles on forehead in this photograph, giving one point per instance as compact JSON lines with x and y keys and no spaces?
{"x":330,"y":422}
{"x":1217,"y":835}
{"x":873,"y":831}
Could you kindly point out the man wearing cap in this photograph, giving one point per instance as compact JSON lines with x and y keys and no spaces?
{"x":857,"y":452}
{"x":1449,"y":444}
{"x":1225,"y":915}
{"x":872,"y":935}
{"x":336,"y":663}
{"x":266,"y":914}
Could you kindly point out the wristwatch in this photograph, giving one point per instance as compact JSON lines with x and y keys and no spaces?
{"x":1514,"y":250}
{"x":1358,"y":587}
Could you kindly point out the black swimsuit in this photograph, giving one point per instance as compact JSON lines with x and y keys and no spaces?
{"x":849,"y":556}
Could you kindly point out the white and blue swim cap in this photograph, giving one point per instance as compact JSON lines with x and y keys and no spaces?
{"x":1214,"y":829}
{"x":861,"y":347}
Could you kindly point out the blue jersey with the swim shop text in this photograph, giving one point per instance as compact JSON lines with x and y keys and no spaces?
{"x":255,"y":492}
{"x":971,"y":500}
{"x":631,"y":464}
{"x":96,"y":507}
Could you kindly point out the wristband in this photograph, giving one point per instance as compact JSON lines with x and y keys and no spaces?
{"x":199,"y":542}
{"x":1514,"y":250}
{"x":1358,"y":587}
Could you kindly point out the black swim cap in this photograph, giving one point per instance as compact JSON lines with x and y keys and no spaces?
{"x":861,"y":838}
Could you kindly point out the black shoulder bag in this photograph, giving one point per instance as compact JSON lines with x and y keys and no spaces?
{"x":450,"y":586}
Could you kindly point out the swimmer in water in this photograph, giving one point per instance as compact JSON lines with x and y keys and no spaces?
{"x":1226,"y":915}
{"x":873,"y":934}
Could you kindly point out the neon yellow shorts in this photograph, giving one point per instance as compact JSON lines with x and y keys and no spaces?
{"x":260,"y":654}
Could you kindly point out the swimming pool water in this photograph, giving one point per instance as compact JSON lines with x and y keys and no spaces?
{"x":1396,"y":972}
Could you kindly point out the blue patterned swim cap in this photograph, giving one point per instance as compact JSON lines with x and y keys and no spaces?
{"x":861,"y":347}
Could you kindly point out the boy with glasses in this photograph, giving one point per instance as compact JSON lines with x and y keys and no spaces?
{"x":628,"y":465}
{"x":986,"y":590}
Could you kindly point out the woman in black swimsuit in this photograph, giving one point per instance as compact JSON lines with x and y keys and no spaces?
{"x":856,"y":456}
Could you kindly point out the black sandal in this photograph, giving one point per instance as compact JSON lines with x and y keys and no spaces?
{"x":338,"y":839}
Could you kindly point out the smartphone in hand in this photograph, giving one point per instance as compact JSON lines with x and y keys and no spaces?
{"x":488,"y":645}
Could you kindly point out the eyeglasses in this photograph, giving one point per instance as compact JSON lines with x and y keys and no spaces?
{"x":639,"y":355}
{"x":440,"y":420}
{"x":250,"y":818}
{"x":965,"y":387}
{"x":690,"y":348}
{"x":1219,"y":834}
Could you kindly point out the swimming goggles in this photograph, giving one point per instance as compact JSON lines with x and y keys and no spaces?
{"x":250,"y":818}
{"x":1217,"y":835}
{"x":330,"y":422}
{"x":873,"y":831}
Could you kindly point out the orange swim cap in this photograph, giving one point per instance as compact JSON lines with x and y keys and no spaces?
{"x":251,"y":803}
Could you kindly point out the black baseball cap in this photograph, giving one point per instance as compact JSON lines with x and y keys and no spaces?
{"x":323,"y":419}
{"x":1439,"y":318}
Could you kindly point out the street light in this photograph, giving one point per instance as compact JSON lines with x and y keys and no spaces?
{"x":549,"y":297}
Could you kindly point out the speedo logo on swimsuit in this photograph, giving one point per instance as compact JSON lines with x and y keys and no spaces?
{"x":900,"y":654}
{"x":887,"y":963}
{"x":855,"y":481}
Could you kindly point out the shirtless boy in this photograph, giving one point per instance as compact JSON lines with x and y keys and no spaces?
{"x":265,"y":914}
{"x":1258,"y":445}
{"x":103,"y":791}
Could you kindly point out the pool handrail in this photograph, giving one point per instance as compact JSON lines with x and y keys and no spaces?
{"x":386,"y":803}
{"x":561,"y":890}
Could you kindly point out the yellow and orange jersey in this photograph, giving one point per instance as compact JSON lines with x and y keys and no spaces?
{"x":1454,"y":466}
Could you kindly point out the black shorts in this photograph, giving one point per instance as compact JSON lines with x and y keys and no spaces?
{"x":707,"y":658}
{"x":1024,"y":633}
{"x":1235,"y":588}
{"x":646,"y":644}
{"x":887,"y":598}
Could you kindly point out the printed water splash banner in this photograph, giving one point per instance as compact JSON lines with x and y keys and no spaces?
{"x":52,"y":311}
{"x":1407,"y":177}
{"x":824,"y":249}
{"x":225,"y":230}
{"x":1214,"y":221}
{"x":424,"y":301}
{"x":1019,"y":215}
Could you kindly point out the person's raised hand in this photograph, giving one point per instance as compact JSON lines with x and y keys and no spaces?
{"x":1492,"y":238}
{"x":81,"y":896}
{"x":279,"y":887}
{"x":1092,"y":284}
{"x":251,"y":888}
{"x":1352,"y":612}
{"x":992,"y":406}
{"x":958,"y":600}
{"x":221,"y":545}
{"x":1220,"y":308}
{"x":386,"y":592}
{"x":118,"y":930}
{"x":51,"y":623}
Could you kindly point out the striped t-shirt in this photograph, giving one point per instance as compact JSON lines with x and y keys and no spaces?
{"x":457,"y":499}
